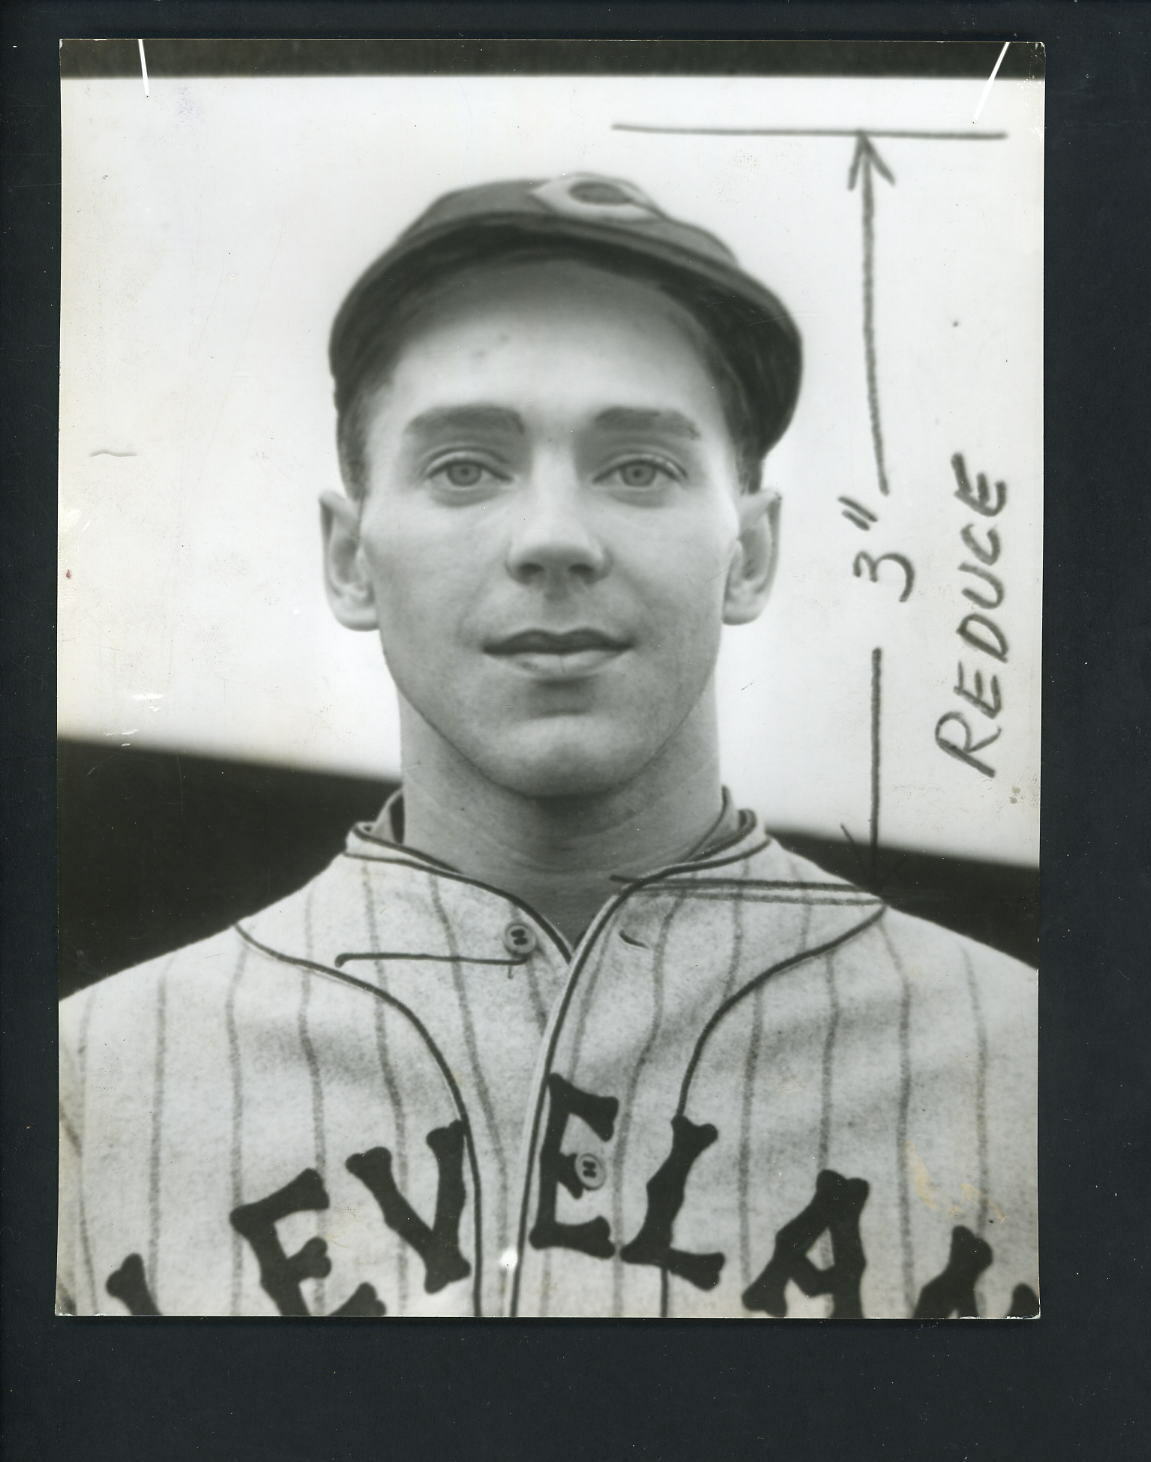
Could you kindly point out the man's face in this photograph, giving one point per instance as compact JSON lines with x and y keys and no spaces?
{"x":550,"y":528}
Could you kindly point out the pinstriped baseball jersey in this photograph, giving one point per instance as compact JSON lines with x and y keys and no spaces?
{"x":750,"y":1090}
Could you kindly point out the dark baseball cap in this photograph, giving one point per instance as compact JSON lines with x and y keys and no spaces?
{"x":601,"y":219}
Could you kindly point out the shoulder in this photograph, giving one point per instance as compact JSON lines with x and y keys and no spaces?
{"x":920,"y":943}
{"x":911,"y":931}
{"x":940,"y":966}
{"x":199,"y":977}
{"x":124,"y":1000}
{"x":194,"y":977}
{"x":932,"y":961}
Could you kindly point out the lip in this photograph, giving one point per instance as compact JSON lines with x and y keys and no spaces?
{"x":554,"y":642}
{"x":557,"y":654}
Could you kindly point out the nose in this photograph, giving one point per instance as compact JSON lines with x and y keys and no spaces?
{"x":552,"y":537}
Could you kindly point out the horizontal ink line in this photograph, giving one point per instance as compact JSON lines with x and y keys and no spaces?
{"x":401,"y":954}
{"x":809,"y":132}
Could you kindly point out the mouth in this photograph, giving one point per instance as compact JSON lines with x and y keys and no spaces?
{"x":556,"y":655}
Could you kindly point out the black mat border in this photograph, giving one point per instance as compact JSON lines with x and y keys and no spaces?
{"x":1070,"y":1385}
{"x":250,"y":57}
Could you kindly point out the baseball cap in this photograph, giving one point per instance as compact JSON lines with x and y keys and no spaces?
{"x":600,"y":218}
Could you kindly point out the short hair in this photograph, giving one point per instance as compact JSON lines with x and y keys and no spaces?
{"x":404,"y":314}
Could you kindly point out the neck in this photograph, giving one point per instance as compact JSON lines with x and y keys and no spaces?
{"x":558,"y":854}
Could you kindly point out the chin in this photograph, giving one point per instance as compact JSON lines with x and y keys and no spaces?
{"x":567,"y":765}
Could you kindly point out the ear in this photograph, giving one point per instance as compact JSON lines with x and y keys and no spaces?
{"x":346,"y":579}
{"x":753,"y":565}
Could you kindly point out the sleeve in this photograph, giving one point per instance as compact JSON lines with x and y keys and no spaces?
{"x":1008,"y":999}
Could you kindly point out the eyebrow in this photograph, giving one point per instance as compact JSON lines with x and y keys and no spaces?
{"x":634,"y":418}
{"x":465,"y":418}
{"x":484,"y":417}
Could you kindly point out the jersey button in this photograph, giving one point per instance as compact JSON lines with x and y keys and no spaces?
{"x":590,"y":1170}
{"x":520,"y":939}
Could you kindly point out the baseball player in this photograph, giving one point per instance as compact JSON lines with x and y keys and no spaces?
{"x":563,"y":1032}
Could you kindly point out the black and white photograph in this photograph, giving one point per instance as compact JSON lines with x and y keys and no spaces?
{"x":550,"y":583}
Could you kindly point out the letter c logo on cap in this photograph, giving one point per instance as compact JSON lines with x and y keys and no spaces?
{"x":590,"y":196}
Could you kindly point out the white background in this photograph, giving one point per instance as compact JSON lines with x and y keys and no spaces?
{"x":210,"y":231}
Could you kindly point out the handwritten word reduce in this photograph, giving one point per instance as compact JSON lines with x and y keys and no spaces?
{"x":955,"y":731}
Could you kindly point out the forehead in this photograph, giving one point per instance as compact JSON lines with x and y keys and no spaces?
{"x":558,"y":333}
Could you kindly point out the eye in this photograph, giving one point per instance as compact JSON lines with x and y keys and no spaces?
{"x":463,"y":472}
{"x":641,"y":472}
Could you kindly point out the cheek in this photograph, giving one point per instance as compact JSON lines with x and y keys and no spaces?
{"x":424,"y":583}
{"x":686,"y":577}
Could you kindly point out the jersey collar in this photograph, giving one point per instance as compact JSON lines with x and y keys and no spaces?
{"x":733,"y":834}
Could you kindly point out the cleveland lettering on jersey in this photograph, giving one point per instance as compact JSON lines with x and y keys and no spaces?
{"x":439,"y":1245}
{"x":557,"y":1167}
{"x":281,"y":1274}
{"x":835,"y":1210}
{"x":665,"y":1190}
